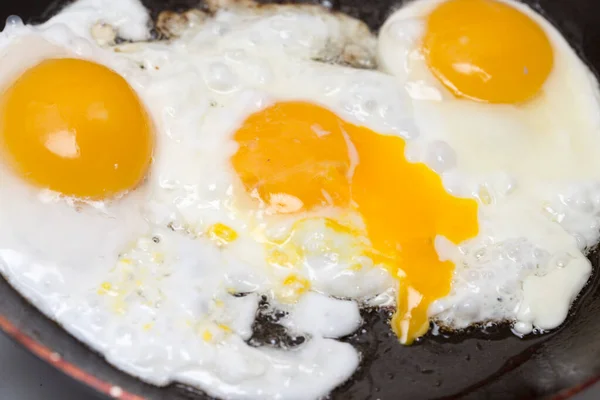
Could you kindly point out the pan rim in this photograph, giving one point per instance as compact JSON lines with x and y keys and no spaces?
{"x":102,"y":387}
{"x":69,"y":369}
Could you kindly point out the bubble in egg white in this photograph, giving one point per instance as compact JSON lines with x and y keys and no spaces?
{"x":12,"y":21}
{"x":523,"y":327}
{"x":405,"y":128}
{"x":259,"y":73}
{"x":12,"y":27}
{"x":235,"y":55}
{"x":220,"y":78}
{"x":281,"y":27}
{"x":454,"y":183}
{"x":440,"y":156}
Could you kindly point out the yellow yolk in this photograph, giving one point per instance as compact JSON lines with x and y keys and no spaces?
{"x":222,"y":234}
{"x":486,"y":50}
{"x":75,"y":127}
{"x":403,"y":205}
{"x":317,"y":162}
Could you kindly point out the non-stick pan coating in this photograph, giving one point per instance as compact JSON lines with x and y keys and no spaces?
{"x":490,"y":364}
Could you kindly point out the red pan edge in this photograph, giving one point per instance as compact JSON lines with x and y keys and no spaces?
{"x":55,"y":360}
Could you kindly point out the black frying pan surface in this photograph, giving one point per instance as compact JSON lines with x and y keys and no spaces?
{"x":489,"y":364}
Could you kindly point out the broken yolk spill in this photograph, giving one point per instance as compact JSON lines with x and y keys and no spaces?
{"x":295,"y":156}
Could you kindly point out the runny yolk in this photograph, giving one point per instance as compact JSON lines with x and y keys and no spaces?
{"x":75,"y":127}
{"x":487,"y":50}
{"x":308,"y":155}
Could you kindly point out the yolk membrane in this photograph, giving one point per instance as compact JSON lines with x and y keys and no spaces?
{"x":487,"y":50}
{"x":304,"y":153}
{"x":317,"y":162}
{"x":75,"y":127}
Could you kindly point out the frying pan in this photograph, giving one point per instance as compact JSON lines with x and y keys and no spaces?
{"x":487,"y":363}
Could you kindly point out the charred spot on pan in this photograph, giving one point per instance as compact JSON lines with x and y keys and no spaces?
{"x":240,"y":294}
{"x":190,"y":392}
{"x":184,"y":229}
{"x":106,"y":35}
{"x":119,"y":40}
{"x":355,"y":47}
{"x":349,"y":55}
{"x":267,"y":331}
{"x":491,"y":330}
{"x":157,"y":7}
{"x":171,"y":24}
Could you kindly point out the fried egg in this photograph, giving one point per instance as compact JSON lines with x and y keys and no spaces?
{"x":166,"y":193}
{"x":508,"y":114}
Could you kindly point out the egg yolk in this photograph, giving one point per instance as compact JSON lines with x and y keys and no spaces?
{"x":75,"y":127}
{"x":486,"y":50}
{"x":317,"y":163}
{"x":306,"y":153}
